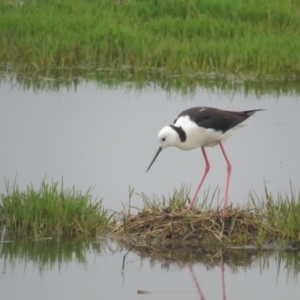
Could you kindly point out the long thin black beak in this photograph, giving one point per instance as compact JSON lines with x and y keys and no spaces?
{"x":158,"y":151}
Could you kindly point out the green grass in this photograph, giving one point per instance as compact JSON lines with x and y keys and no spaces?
{"x":258,"y":37}
{"x":282,"y":213}
{"x":51,"y":210}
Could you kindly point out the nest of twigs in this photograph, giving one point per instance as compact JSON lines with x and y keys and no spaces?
{"x":172,"y":226}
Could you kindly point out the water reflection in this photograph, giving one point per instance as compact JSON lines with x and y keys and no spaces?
{"x":184,"y":84}
{"x":232,"y":261}
{"x":45,"y":253}
{"x":201,"y":295}
{"x":196,"y":283}
{"x":186,"y":273}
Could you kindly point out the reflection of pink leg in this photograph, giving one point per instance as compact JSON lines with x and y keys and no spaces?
{"x":196,"y":282}
{"x":223,"y":280}
{"x":207,"y":167}
{"x":227,"y":180}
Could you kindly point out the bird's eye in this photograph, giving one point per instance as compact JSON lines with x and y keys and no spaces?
{"x":163,"y":139}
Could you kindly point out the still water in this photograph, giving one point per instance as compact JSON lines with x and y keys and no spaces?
{"x":93,"y":270}
{"x":105,"y":138}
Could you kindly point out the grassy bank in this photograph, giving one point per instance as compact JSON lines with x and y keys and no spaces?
{"x":242,"y":37}
{"x":52,"y":210}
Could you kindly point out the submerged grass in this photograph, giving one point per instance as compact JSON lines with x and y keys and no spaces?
{"x":257,"y":37}
{"x":51,"y":210}
{"x":168,"y":222}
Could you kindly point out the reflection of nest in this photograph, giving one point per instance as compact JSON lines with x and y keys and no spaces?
{"x":235,"y":259}
{"x":187,"y":255}
{"x":180,"y":227}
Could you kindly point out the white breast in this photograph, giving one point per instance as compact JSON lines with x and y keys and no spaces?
{"x":200,"y":137}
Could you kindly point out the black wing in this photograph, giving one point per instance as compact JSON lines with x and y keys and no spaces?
{"x":217,"y":119}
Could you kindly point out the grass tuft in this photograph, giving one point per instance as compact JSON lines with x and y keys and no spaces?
{"x":282,"y":213}
{"x":51,"y":210}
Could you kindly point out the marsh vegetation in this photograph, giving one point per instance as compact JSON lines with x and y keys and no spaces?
{"x":257,"y":38}
{"x":54,"y":211}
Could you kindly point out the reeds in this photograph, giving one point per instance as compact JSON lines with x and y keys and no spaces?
{"x":51,"y":210}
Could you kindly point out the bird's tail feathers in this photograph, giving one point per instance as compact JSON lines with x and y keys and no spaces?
{"x":249,"y":113}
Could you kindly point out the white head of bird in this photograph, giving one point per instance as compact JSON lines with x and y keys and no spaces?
{"x":184,"y":134}
{"x":168,"y":137}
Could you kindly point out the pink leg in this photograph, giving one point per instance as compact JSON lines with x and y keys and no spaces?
{"x":227,"y":180}
{"x":223,"y":280}
{"x":196,"y":282}
{"x":207,"y":167}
